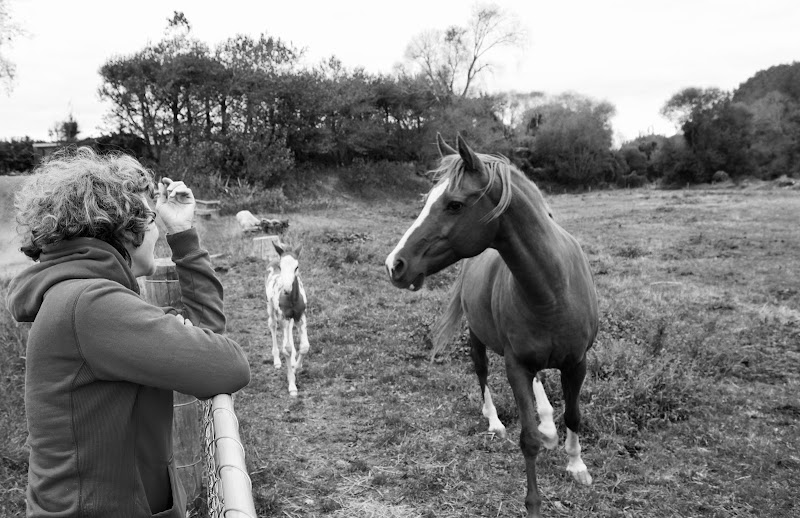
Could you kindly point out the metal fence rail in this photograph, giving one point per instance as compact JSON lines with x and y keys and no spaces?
{"x":230,"y":490}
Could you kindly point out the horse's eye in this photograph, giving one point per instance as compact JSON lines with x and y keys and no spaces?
{"x":454,"y":206}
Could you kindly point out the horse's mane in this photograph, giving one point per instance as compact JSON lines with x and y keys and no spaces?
{"x":498,"y":167}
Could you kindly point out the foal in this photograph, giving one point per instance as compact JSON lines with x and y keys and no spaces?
{"x":286,"y":305}
{"x":524,"y":286}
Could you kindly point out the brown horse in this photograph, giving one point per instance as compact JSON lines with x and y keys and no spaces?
{"x":527,"y":291}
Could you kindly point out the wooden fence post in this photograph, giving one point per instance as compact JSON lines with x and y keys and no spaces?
{"x":263,"y":249}
{"x":163,"y":289}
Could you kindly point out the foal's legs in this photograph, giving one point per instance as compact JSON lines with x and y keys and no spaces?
{"x":289,"y":351}
{"x":478,"y":353}
{"x":521,"y":380}
{"x":545,"y":410}
{"x":571,"y":382}
{"x":302,"y":330}
{"x":273,"y":328}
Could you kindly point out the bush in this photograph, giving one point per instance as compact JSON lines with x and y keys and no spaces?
{"x":677,"y":163}
{"x":16,"y":156}
{"x":631,"y":180}
{"x":720,"y":177}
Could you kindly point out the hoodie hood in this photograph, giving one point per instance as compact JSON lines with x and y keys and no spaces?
{"x":81,"y":258}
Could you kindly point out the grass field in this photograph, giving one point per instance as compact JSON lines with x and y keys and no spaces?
{"x":690,"y":408}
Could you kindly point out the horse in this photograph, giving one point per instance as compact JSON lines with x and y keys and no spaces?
{"x":524,"y":285}
{"x":286,"y":305}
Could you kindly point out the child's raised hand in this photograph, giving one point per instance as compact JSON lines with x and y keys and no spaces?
{"x":175,"y":204}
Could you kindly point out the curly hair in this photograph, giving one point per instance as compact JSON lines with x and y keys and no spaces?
{"x":79,"y":193}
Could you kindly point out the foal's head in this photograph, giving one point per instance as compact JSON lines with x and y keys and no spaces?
{"x":289,"y":264}
{"x":459,"y":218}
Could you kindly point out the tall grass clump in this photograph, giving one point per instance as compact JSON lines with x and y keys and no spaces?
{"x":13,"y":451}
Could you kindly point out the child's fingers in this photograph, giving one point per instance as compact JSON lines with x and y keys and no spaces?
{"x":179,"y":192}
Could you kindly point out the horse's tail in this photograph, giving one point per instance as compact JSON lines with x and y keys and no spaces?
{"x":450,"y":321}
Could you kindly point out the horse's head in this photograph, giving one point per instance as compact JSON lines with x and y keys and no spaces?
{"x":289,"y":263}
{"x":459,"y":218}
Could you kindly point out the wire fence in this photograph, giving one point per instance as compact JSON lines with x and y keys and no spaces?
{"x":230,"y":490}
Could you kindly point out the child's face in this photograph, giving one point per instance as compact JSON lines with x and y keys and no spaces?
{"x":143,"y":261}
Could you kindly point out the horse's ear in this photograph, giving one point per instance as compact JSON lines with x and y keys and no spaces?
{"x":444,"y":147}
{"x":278,"y":248}
{"x":298,"y":250}
{"x":469,"y":157}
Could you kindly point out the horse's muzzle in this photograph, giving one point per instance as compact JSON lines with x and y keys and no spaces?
{"x":398,"y":274}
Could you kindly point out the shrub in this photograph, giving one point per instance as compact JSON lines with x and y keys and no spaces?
{"x":720,"y":177}
{"x":631,"y":180}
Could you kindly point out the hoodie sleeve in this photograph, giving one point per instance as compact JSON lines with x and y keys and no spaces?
{"x":123,"y":338}
{"x":201,"y":291}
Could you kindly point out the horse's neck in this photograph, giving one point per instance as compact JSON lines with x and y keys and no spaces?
{"x":532,"y":246}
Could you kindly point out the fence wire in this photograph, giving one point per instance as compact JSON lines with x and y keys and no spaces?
{"x":229,"y":488}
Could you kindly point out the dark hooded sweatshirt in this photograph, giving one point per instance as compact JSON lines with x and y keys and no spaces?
{"x":101,"y":367}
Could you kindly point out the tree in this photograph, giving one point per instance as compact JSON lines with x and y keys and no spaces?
{"x":682,"y":105}
{"x":573,"y":141}
{"x":16,"y":156}
{"x":773,"y":97}
{"x":720,"y":136}
{"x":9,"y":31}
{"x":452,"y":59}
{"x":717,"y":131}
{"x":65,"y":131}
{"x":131,"y":85}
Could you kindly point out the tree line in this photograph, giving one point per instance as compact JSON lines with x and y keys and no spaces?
{"x":247,"y":110}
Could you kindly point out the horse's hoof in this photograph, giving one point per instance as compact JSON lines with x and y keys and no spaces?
{"x":500,"y":431}
{"x":277,"y":365}
{"x":549,"y":436}
{"x":293,"y":393}
{"x":581,"y":476}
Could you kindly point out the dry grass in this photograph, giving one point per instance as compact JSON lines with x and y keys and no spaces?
{"x":690,"y":407}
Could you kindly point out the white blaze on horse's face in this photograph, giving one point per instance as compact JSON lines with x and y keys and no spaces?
{"x":288,"y":272}
{"x":433,"y":197}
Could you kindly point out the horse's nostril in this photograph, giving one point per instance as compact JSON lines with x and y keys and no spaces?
{"x":398,"y":268}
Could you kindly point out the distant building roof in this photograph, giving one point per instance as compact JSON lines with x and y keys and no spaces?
{"x":45,"y":145}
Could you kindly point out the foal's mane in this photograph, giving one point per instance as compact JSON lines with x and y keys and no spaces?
{"x":498,"y":167}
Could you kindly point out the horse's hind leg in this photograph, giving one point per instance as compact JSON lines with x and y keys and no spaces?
{"x":571,"y":382}
{"x":478,"y":353}
{"x":545,"y":410}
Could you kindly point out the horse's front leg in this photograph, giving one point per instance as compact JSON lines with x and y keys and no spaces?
{"x":273,"y":328}
{"x":481,"y":363}
{"x":547,"y":427}
{"x":571,"y":383}
{"x":521,"y":380}
{"x":302,"y":330}
{"x":289,"y":350}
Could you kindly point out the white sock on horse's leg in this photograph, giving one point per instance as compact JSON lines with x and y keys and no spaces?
{"x":545,"y":410}
{"x":276,"y":353}
{"x":490,"y":413}
{"x":304,"y":346}
{"x":575,"y":465}
{"x":290,"y":376}
{"x":292,"y":359}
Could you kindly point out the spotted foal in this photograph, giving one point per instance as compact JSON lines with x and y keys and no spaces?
{"x":286,"y":305}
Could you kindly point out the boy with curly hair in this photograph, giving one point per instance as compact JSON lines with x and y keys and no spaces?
{"x":101,"y":363}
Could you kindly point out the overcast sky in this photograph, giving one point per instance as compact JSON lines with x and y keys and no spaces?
{"x":631,"y":53}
